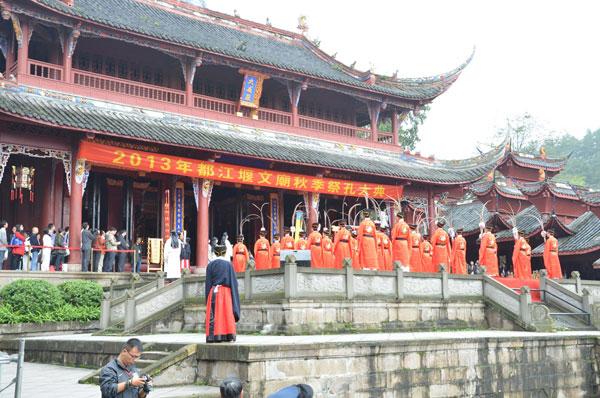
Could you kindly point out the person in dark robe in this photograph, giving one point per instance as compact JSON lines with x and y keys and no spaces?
{"x":222,"y":298}
{"x":123,"y":245}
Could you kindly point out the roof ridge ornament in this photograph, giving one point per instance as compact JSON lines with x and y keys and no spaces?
{"x":303,"y":24}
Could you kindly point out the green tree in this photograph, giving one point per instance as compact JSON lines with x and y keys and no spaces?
{"x":408,"y":130}
{"x":581,"y":169}
{"x":526,"y":134}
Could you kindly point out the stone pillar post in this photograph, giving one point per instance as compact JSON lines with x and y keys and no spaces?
{"x":105,"y":310}
{"x":347,"y":262}
{"x":445,"y":290}
{"x":248,"y":279}
{"x":588,"y":300}
{"x":399,"y":280}
{"x":23,"y":51}
{"x":578,"y":287}
{"x":161,"y":276}
{"x":75,"y":202}
{"x":129,"y":310}
{"x":290,"y":277}
{"x":395,"y":127}
{"x":525,"y":303}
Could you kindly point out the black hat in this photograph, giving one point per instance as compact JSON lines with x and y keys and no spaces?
{"x":459,"y":231}
{"x":220,"y":250}
{"x":263,"y":231}
{"x":400,"y":214}
{"x":315,"y":225}
{"x":286,"y":229}
{"x":326,"y":231}
{"x":302,"y":232}
{"x":377,"y":222}
{"x":489,"y":227}
{"x":413,"y":226}
{"x":521,"y":232}
{"x":349,"y":227}
{"x":240,"y":236}
{"x":342,"y":222}
{"x":275,"y":235}
{"x":551,"y":231}
{"x":441,"y":223}
{"x":366,"y":212}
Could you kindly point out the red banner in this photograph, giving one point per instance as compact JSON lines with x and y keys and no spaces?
{"x":147,"y":161}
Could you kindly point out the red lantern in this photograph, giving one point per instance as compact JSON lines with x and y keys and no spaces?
{"x":22,"y":178}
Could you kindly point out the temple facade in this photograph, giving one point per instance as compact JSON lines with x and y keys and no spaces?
{"x":151,"y":116}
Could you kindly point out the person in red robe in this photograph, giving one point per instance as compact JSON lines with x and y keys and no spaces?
{"x":367,"y":244}
{"x":222,"y":298}
{"x":441,"y":247}
{"x":527,"y":260}
{"x":240,"y":254}
{"x":342,"y":245}
{"x":302,"y":244}
{"x":314,"y":243}
{"x":551,"y":261}
{"x":355,"y":250}
{"x":262,"y":249}
{"x":275,"y":252}
{"x":379,"y":243}
{"x":287,"y":242}
{"x":327,"y":246}
{"x":386,"y":246}
{"x":459,"y":254}
{"x":400,"y":241}
{"x":488,"y":250}
{"x":520,"y":258}
{"x":415,"y":262}
{"x":426,"y":255}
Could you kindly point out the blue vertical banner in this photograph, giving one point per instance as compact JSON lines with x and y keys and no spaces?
{"x":252,"y":88}
{"x":179,"y":207}
{"x":274,"y":200}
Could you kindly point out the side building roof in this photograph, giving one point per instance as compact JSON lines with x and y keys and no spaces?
{"x":586,"y":238}
{"x":64,"y":110}
{"x":244,"y":40}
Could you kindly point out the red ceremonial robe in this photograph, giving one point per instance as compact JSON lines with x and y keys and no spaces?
{"x":328,"y":258}
{"x":386,"y":245}
{"x":316,"y":253}
{"x":275,"y":255}
{"x":287,"y":243}
{"x":301,"y":244}
{"x":441,"y":249}
{"x":341,"y":247}
{"x":551,"y":261}
{"x":487,"y":254}
{"x":521,"y":259}
{"x":240,"y":256}
{"x":459,"y":256}
{"x":222,"y":301}
{"x":415,"y":263}
{"x":367,"y":245}
{"x":400,"y":243}
{"x":262,"y":255}
{"x":427,"y":257}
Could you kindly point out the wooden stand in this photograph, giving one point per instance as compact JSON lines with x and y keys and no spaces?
{"x":155,"y":254}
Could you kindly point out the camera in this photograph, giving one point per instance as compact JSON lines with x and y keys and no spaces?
{"x":147,"y":387}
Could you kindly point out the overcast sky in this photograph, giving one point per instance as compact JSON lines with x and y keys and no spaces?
{"x":541,"y":57}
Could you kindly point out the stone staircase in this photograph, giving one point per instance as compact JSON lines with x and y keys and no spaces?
{"x":170,"y":365}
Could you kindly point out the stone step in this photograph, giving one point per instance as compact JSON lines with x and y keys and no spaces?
{"x":155,"y":355}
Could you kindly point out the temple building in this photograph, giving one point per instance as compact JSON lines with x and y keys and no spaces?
{"x":159,"y":115}
{"x":521,"y":193}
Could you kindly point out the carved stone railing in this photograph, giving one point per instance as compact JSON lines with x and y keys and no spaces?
{"x":113,"y":304}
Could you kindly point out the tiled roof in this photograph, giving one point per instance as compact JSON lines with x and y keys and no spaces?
{"x":534,"y":188}
{"x":483,"y":188}
{"x":150,"y":125}
{"x":597,"y":262}
{"x":585,"y":239}
{"x":587,"y":196}
{"x":226,"y":37}
{"x":549,"y":164}
{"x":526,"y":220}
{"x":466,"y":216}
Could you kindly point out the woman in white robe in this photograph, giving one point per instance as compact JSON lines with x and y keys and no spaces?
{"x":46,"y":251}
{"x":171,"y":254}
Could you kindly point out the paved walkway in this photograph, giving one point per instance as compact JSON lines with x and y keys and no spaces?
{"x":195,"y":338}
{"x":51,"y":381}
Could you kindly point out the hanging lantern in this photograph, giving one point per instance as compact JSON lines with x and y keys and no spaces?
{"x":22,"y":178}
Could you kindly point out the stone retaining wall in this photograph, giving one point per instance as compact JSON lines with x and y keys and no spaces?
{"x":476,"y":367}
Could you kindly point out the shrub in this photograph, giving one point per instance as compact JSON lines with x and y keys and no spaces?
{"x":81,"y":293}
{"x":33,"y":296}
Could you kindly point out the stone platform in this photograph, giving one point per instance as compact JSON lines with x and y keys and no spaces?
{"x":425,"y":364}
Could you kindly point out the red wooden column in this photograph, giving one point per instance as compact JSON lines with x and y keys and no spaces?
{"x":67,"y":63}
{"x":75,"y":214}
{"x":48,"y":178}
{"x":395,"y":127}
{"x":294,"y":91}
{"x":23,"y":51}
{"x":202,"y":220}
{"x":373,"y":113}
{"x":191,"y":68}
{"x":313,"y":216}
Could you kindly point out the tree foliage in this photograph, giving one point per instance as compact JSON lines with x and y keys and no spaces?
{"x":581,"y":169}
{"x":526,"y":134}
{"x":408,"y":130}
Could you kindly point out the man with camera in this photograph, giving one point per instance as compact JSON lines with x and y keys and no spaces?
{"x":120,"y":378}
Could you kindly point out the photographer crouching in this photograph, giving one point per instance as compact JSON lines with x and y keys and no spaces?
{"x":120,"y":378}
